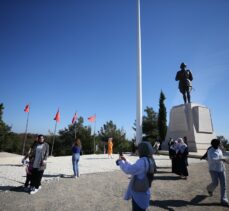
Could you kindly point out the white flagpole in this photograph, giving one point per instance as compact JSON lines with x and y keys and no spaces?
{"x":27,"y":122}
{"x":75,"y":129}
{"x":94,"y":133}
{"x":139,"y":81}
{"x":75,"y":125}
{"x":53,"y":141}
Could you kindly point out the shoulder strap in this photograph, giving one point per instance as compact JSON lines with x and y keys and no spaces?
{"x":149,"y":165}
{"x":147,"y":170}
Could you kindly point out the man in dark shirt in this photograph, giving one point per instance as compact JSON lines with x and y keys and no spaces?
{"x":184,"y":77}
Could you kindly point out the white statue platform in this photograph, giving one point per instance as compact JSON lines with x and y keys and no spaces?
{"x":193,"y":121}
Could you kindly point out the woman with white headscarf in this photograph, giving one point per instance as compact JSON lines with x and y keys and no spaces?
{"x":182,"y":154}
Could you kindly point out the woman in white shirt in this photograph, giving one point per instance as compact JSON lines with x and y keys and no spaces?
{"x":140,"y":200}
{"x":217,"y":171}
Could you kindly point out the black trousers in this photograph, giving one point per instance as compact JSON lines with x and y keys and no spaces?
{"x":28,"y":180}
{"x":36,"y":178}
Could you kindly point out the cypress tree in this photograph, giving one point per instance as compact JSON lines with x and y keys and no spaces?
{"x":162,"y":127}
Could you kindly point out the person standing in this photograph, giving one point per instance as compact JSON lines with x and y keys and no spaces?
{"x":185,"y":139}
{"x":110,"y":148}
{"x":217,"y":171}
{"x":140,"y":200}
{"x":76,"y":148}
{"x":182,"y":157}
{"x":172,"y":156}
{"x":184,"y":77}
{"x":170,"y":142}
{"x":40,"y":155}
{"x":29,"y":164}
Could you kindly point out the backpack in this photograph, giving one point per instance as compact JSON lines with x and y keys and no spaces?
{"x":142,"y":185}
{"x":151,"y":170}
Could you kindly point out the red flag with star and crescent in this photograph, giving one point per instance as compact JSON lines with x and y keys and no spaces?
{"x":74,"y":118}
{"x":26,"y":108}
{"x":92,"y":118}
{"x":57,"y":117}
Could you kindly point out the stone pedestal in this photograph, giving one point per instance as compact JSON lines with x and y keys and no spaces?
{"x":193,"y":121}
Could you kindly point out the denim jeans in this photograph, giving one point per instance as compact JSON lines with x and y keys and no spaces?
{"x":216,"y":178}
{"x":75,"y":161}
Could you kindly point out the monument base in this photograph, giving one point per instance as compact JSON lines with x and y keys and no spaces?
{"x":193,"y":121}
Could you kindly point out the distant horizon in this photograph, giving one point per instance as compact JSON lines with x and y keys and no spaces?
{"x":50,"y":133}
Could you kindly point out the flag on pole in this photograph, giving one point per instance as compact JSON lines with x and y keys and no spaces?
{"x":92,"y":118}
{"x":74,"y":118}
{"x":57,"y":117}
{"x":26,"y":128}
{"x":26,"y":108}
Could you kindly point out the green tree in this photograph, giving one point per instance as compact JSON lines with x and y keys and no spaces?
{"x":149,"y":125}
{"x":120,"y":143}
{"x":224,"y":141}
{"x":4,"y":129}
{"x":12,"y":143}
{"x":162,"y":121}
{"x":67,"y":136}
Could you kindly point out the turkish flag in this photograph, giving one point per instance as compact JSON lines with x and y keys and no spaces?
{"x":92,"y":118}
{"x":74,"y":118}
{"x":26,"y":108}
{"x":57,"y":117}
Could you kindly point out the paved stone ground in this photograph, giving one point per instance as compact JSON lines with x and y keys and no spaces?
{"x":12,"y":173}
{"x":104,"y":191}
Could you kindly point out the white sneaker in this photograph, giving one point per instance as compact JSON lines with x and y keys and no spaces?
{"x":39,"y":187}
{"x":34,"y":190}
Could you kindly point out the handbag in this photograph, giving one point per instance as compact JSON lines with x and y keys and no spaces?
{"x":140,"y":185}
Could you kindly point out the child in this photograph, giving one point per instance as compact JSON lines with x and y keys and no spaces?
{"x":28,"y":170}
{"x":29,"y":165}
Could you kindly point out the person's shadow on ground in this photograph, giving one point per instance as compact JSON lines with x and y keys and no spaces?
{"x":21,"y":189}
{"x":168,"y":204}
{"x":52,"y":175}
{"x":16,"y":165}
{"x":12,"y":188}
{"x":166,"y":177}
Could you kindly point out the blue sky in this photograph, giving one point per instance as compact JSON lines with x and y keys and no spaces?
{"x":82,"y":55}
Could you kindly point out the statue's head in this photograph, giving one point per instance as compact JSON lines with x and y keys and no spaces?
{"x":183,"y":65}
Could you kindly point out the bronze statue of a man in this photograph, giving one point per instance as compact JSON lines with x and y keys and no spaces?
{"x":184,"y":77}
